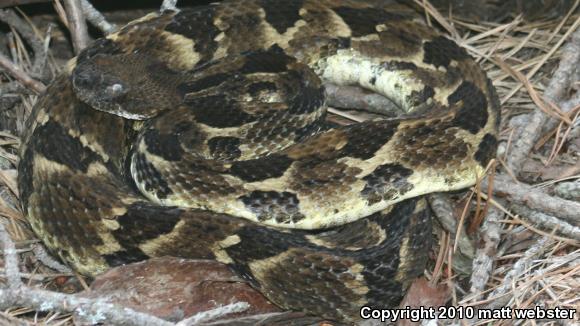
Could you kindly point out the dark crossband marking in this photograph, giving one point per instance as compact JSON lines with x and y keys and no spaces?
{"x":486,"y":149}
{"x":203,"y":83}
{"x":272,"y":60}
{"x":373,"y":134}
{"x":282,"y":18}
{"x":272,"y":166}
{"x":204,"y":34}
{"x":211,"y":109}
{"x":283,"y":207}
{"x":472,"y":116}
{"x":151,"y":178}
{"x":363,"y":21}
{"x":387,"y":182}
{"x":163,"y":145}
{"x":224,"y":148}
{"x":64,"y":149}
{"x":441,"y":50}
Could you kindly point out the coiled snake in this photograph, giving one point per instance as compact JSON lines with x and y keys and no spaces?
{"x":201,"y":134}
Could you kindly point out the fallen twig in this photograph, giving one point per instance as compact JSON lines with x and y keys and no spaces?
{"x":96,"y":18}
{"x":568,"y":190}
{"x":443,"y":209}
{"x":490,"y":236}
{"x":273,"y":318}
{"x":20,"y":75}
{"x":92,"y":311}
{"x":10,"y":259}
{"x":13,"y":88}
{"x":537,"y":199}
{"x":547,"y":222}
{"x":77,"y":24}
{"x":563,"y":79}
{"x":546,"y":107}
{"x":168,"y":5}
{"x":559,"y":83}
{"x":7,"y":320}
{"x":11,"y":3}
{"x":566,"y":74}
{"x":36,"y":44}
{"x":41,"y":254}
{"x":350,"y":97}
{"x":214,"y":314}
{"x":502,"y":291}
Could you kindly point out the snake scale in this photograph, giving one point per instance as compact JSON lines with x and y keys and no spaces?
{"x":202,"y":134}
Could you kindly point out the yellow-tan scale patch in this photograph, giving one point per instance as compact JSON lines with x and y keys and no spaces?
{"x":55,"y":181}
{"x":374,"y":235}
{"x":406,"y":258}
{"x":350,"y":283}
{"x":132,"y":37}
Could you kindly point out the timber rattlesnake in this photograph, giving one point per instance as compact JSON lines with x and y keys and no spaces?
{"x":158,"y":135}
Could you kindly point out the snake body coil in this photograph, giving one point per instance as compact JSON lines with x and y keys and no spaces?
{"x":201,"y":134}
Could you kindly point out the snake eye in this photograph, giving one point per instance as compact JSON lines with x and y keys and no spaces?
{"x":94,"y":86}
{"x":115,"y":90}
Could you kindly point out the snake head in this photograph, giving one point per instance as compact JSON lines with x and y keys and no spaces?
{"x":127,"y":85}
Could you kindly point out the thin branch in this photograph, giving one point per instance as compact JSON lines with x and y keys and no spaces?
{"x":546,"y":107}
{"x":559,"y":83}
{"x":490,"y":235}
{"x":563,"y":79}
{"x":518,"y":268}
{"x":77,"y":24}
{"x":7,"y":320}
{"x":92,"y":14}
{"x":14,"y":88}
{"x":537,"y":199}
{"x":12,"y":19}
{"x":20,"y":75}
{"x":443,"y":209}
{"x":350,"y":97}
{"x":10,"y":259}
{"x":273,"y":318}
{"x":12,"y":3}
{"x":41,"y":254}
{"x":566,"y":74}
{"x":96,"y":18}
{"x":547,"y":222}
{"x":568,"y":190}
{"x":213,"y":314}
{"x":169,"y":5}
{"x":92,"y":311}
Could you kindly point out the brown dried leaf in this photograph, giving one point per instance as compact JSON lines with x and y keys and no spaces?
{"x":174,"y":289}
{"x":423,"y":294}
